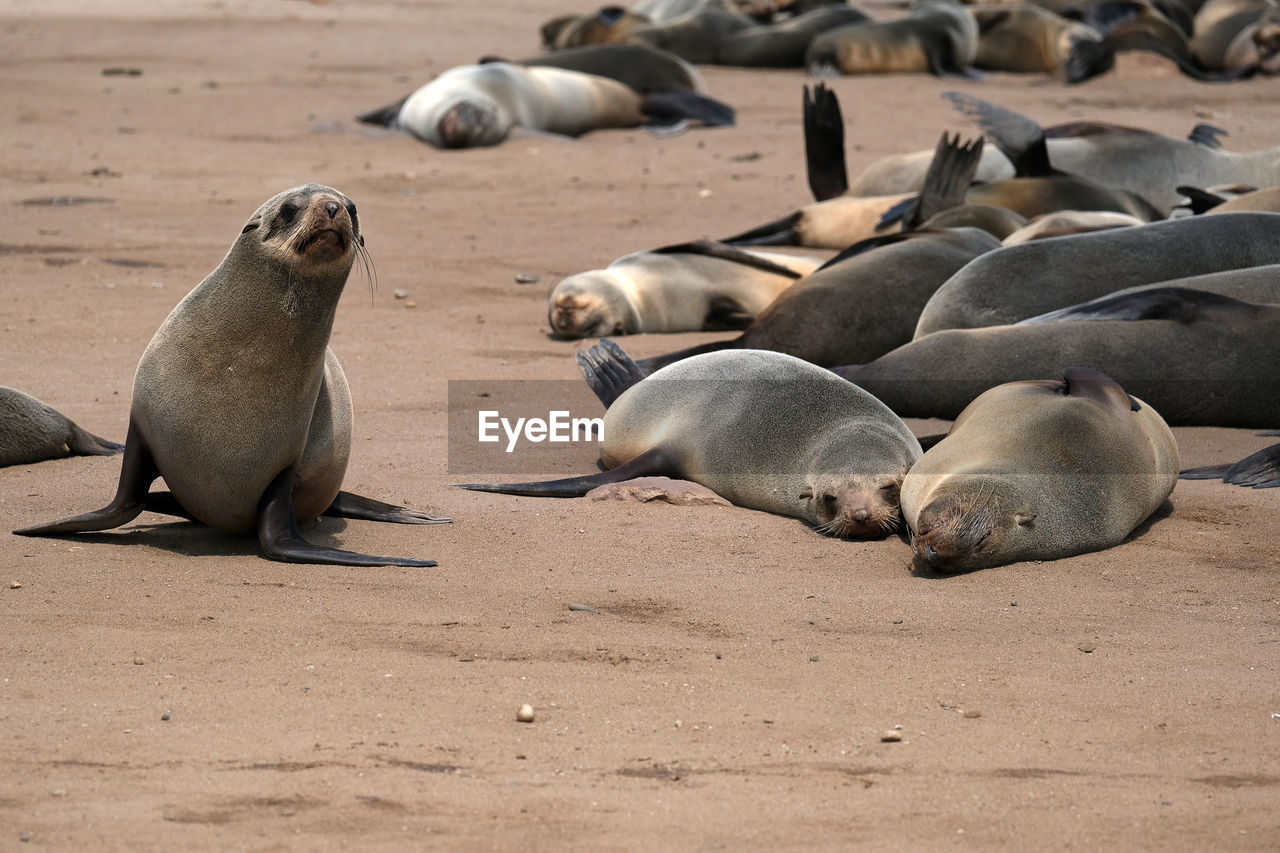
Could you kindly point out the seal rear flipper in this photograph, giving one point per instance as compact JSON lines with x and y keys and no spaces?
{"x":280,"y":538}
{"x":1260,"y":470}
{"x":349,"y":505}
{"x":1207,"y":135}
{"x":384,"y":116}
{"x":824,"y":144}
{"x":726,"y":314}
{"x":137,"y":472}
{"x":653,"y":462}
{"x":649,"y":365}
{"x":670,"y":106}
{"x":1088,"y":59}
{"x":780,"y":232}
{"x":84,"y":443}
{"x":1018,"y":137}
{"x":1093,"y":384}
{"x":725,"y":252}
{"x":1180,"y":304}
{"x":1199,"y":200}
{"x":945,"y":183}
{"x":608,"y":370}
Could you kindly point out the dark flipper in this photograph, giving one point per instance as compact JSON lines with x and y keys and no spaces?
{"x":165,"y":503}
{"x":781,"y":232}
{"x":649,"y":365}
{"x":83,"y":443}
{"x":824,"y":143}
{"x":1207,"y":135}
{"x":950,"y":173}
{"x":928,"y":441}
{"x":1180,"y":304}
{"x":280,"y":538}
{"x":385,"y":116}
{"x":1200,"y":200}
{"x":1088,"y":59}
{"x":1260,"y":470}
{"x":608,"y":370}
{"x":653,"y":462}
{"x":725,"y":252}
{"x":137,"y":472}
{"x":1018,"y":137}
{"x":672,"y":106}
{"x":348,"y":505}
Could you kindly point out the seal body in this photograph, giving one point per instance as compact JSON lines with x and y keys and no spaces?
{"x":784,"y":44}
{"x":1039,"y":470}
{"x":31,"y":431}
{"x":1022,"y":37}
{"x":936,"y":36}
{"x":669,"y":291}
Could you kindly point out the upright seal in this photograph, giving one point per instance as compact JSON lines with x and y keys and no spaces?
{"x":238,"y":402}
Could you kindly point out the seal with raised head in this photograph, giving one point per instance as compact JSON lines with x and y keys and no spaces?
{"x":477,"y":105}
{"x":765,"y":430}
{"x":238,"y":402}
{"x":702,"y":285}
{"x":31,"y":431}
{"x":1039,"y":470}
{"x":936,"y":36}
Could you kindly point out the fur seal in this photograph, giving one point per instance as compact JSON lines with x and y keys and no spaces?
{"x":238,"y":402}
{"x":936,"y":36}
{"x":31,"y":431}
{"x":1022,"y":37}
{"x":1149,"y":164}
{"x":784,"y":44}
{"x":643,"y":68}
{"x":1234,"y":35}
{"x":477,"y":105}
{"x":1200,"y":358}
{"x":1022,"y":281}
{"x":685,"y":288}
{"x":1067,"y":222}
{"x":609,"y":25}
{"x":762,"y":429}
{"x":1039,"y":470}
{"x":696,"y":35}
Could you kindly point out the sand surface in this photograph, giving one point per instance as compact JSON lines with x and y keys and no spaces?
{"x":163,"y":687}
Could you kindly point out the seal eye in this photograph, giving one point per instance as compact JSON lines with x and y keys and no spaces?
{"x":288,"y":210}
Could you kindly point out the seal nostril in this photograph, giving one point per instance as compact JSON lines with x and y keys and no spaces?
{"x":332,"y":207}
{"x":860,"y":515}
{"x":930,"y":555}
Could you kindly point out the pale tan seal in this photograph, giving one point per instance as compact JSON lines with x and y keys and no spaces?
{"x":239,"y":404}
{"x":1022,"y":37}
{"x":478,"y":105}
{"x":31,"y":431}
{"x":764,"y":430}
{"x":1066,"y":222}
{"x":936,"y":36}
{"x":689,"y":287}
{"x":1039,"y":470}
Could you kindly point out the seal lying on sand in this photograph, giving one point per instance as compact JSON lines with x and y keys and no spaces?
{"x":477,"y":105}
{"x":238,"y":402}
{"x":765,"y":430}
{"x":1038,"y":470}
{"x":30,"y":431}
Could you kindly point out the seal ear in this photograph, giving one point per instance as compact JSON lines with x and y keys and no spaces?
{"x":807,"y":494}
{"x":251,"y":225}
{"x":1024,"y":519}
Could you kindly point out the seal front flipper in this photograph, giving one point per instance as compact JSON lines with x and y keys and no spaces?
{"x":349,"y":505}
{"x":137,"y":472}
{"x":781,"y":232}
{"x":1207,"y":135}
{"x":1019,"y":138}
{"x":945,"y":183}
{"x":656,"y":461}
{"x":1180,"y":304}
{"x":725,"y":252}
{"x":824,"y":144}
{"x":609,"y":371}
{"x":1260,"y":470}
{"x":280,"y":538}
{"x":1199,"y":200}
{"x":384,"y":116}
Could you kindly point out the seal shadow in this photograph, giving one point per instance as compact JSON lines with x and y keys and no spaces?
{"x":193,"y":539}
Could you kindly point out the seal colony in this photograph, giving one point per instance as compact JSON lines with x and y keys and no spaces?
{"x":238,"y":402}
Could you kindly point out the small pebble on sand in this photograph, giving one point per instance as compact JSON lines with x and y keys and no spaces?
{"x":525,"y":714}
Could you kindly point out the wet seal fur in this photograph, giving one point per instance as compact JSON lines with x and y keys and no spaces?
{"x":1039,"y":470}
{"x":764,"y":430}
{"x":31,"y":431}
{"x":238,"y":402}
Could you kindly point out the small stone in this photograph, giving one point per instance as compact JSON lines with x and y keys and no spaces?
{"x":704,"y":193}
{"x":891,"y":737}
{"x":971,"y":715}
{"x":402,"y":294}
{"x":137,"y":661}
{"x":1087,"y":648}
{"x":59,"y":792}
{"x":524,"y":277}
{"x":583,"y":608}
{"x":15,"y":585}
{"x":164,"y":717}
{"x":525,"y":714}
{"x":813,"y":658}
{"x":411,"y":304}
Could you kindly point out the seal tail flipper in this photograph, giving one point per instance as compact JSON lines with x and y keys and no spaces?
{"x":945,"y":183}
{"x":280,"y":539}
{"x":1260,"y":470}
{"x":84,"y":443}
{"x":608,"y":370}
{"x":384,"y":116}
{"x":137,"y":472}
{"x":653,"y":462}
{"x":349,"y":505}
{"x":824,"y":144}
{"x":670,"y":106}
{"x":780,"y":232}
{"x":1018,"y":137}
